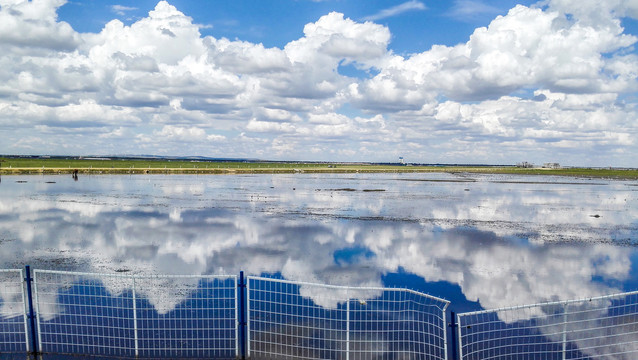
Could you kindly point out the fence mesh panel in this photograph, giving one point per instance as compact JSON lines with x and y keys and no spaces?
{"x":197,"y":317}
{"x":116,"y":315}
{"x":84,"y":313}
{"x":294,"y":320}
{"x":187,"y":316}
{"x":12,"y":312}
{"x":597,"y":328}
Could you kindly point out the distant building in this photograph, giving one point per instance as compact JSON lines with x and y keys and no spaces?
{"x":525,"y":165}
{"x":401,"y":160}
{"x":551,"y":166}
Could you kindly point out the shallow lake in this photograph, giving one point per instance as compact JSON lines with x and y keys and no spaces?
{"x":480,"y":241}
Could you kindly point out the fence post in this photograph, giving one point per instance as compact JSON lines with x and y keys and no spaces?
{"x":348,"y":329}
{"x":31,"y":315}
{"x":242,"y":315}
{"x":453,"y":339}
{"x":565,"y":331}
{"x":136,"y":341}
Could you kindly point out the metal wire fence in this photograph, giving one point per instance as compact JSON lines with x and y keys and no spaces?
{"x":604,"y":327}
{"x":13,"y":320}
{"x":297,"y":320}
{"x":119,"y":315}
{"x":187,"y":316}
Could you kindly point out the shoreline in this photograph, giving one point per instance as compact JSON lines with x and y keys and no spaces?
{"x":314,"y":169}
{"x":96,"y":166}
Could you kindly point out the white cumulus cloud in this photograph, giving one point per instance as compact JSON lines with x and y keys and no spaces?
{"x":411,"y":5}
{"x":559,"y":76}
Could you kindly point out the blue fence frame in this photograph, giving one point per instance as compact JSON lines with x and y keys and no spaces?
{"x":119,"y":315}
{"x":604,"y":327}
{"x":300,"y":320}
{"x":136,"y":316}
{"x":14,"y":334}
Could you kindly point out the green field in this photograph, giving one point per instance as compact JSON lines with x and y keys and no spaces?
{"x":15,"y":166}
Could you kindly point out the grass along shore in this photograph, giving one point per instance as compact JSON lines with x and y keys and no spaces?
{"x":21,"y":166}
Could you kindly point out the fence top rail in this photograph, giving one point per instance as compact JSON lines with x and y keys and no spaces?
{"x":133,"y":276}
{"x":562,"y":302}
{"x":343,"y":287}
{"x":10,"y":270}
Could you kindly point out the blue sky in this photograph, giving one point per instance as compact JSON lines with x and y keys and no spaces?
{"x":275,"y":23}
{"x":461,"y":81}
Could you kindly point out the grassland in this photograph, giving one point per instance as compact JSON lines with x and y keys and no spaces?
{"x":16,"y":166}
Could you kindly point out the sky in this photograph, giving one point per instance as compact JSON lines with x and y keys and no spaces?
{"x":459,"y":81}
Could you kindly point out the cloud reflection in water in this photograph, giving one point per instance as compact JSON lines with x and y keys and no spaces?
{"x":503,"y":242}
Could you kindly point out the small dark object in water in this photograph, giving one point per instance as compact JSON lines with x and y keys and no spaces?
{"x":595,"y":216}
{"x":122,"y":270}
{"x":466,"y":189}
{"x":20,"y":181}
{"x":50,"y":182}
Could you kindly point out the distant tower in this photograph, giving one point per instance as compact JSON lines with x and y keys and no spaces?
{"x":401,"y":160}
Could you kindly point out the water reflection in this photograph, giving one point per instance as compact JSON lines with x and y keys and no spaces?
{"x":502,"y":240}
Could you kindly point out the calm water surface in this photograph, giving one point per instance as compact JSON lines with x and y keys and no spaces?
{"x":481,"y":241}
